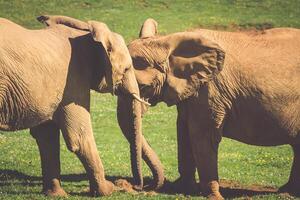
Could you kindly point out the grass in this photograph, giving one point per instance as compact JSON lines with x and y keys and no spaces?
{"x":20,"y":173}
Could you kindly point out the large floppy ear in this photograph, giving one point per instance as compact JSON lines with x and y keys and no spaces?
{"x":149,"y":28}
{"x":193,"y":61}
{"x":117,"y":58}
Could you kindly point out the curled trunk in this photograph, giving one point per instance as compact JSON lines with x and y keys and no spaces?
{"x":130,"y":91}
{"x":154,"y":164}
{"x":126,"y":121}
{"x":136,"y":144}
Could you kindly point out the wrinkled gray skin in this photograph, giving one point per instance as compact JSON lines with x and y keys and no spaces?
{"x":46,"y":76}
{"x":244,"y":86}
{"x":128,"y":118}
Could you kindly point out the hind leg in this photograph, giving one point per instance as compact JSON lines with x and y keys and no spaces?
{"x":47,"y":138}
{"x":293,"y":185}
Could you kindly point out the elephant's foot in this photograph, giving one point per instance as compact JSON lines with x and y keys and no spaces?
{"x":291,"y":187}
{"x":104,"y":189}
{"x":55,"y":193}
{"x":137,"y":188}
{"x":211,"y":190}
{"x":54,"y":189}
{"x":185,"y":185}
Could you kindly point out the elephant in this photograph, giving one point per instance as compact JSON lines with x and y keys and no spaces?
{"x":240,"y":85}
{"x":139,"y":147}
{"x":223,"y":84}
{"x":46,"y":76}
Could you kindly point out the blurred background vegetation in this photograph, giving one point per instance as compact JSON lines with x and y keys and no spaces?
{"x":20,"y":173}
{"x":173,"y":15}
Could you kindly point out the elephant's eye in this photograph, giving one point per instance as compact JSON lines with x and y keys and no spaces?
{"x":126,"y":69}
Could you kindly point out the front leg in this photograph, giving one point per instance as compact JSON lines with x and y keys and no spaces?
{"x":186,"y":164}
{"x":76,"y":127}
{"x":47,"y":139}
{"x":205,"y":140}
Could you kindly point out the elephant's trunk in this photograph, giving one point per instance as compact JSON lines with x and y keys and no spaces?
{"x":127,"y":121}
{"x":130,"y":86}
{"x":136,"y":145}
{"x":154,"y":164}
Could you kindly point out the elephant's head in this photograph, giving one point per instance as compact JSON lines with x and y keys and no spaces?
{"x":115,"y":74}
{"x":119,"y":72}
{"x":170,"y":68}
{"x":116,"y":63}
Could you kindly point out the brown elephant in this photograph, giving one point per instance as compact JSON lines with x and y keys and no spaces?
{"x":131,"y":123}
{"x":251,"y":94}
{"x":244,"y":86}
{"x":46,"y":76}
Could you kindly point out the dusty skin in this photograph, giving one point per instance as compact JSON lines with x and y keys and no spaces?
{"x":139,"y":147}
{"x":46,"y":76}
{"x":238,"y":85}
{"x":243,"y":86}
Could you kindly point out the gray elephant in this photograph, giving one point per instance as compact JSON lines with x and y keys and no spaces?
{"x":46,"y":76}
{"x":131,"y":127}
{"x":244,"y":86}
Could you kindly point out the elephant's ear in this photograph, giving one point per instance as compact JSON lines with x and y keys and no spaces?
{"x":149,"y":28}
{"x":102,"y":34}
{"x":193,"y":60}
{"x":117,"y":58}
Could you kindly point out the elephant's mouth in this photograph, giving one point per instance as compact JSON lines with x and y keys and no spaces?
{"x":155,"y":100}
{"x":148,"y":95}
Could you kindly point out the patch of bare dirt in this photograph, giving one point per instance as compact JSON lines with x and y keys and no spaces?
{"x":253,"y":187}
{"x":124,"y":186}
{"x":228,"y":188}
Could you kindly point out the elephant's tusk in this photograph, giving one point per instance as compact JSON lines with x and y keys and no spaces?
{"x":140,"y":100}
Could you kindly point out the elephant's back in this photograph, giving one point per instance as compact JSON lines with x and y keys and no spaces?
{"x":270,"y":59}
{"x":33,"y":73}
{"x":5,"y":24}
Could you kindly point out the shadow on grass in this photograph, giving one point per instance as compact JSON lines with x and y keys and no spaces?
{"x":228,"y":189}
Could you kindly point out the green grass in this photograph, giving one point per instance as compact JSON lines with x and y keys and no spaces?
{"x":20,"y":173}
{"x":126,"y":17}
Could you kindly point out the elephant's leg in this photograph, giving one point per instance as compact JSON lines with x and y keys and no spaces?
{"x":206,"y":158}
{"x":205,"y":142}
{"x":76,"y":127}
{"x":186,"y":164}
{"x":47,"y":138}
{"x":293,"y":185}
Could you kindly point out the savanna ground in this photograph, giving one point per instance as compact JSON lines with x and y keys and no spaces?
{"x":247,"y":171}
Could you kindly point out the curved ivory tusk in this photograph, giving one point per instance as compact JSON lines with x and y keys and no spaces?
{"x":140,"y":100}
